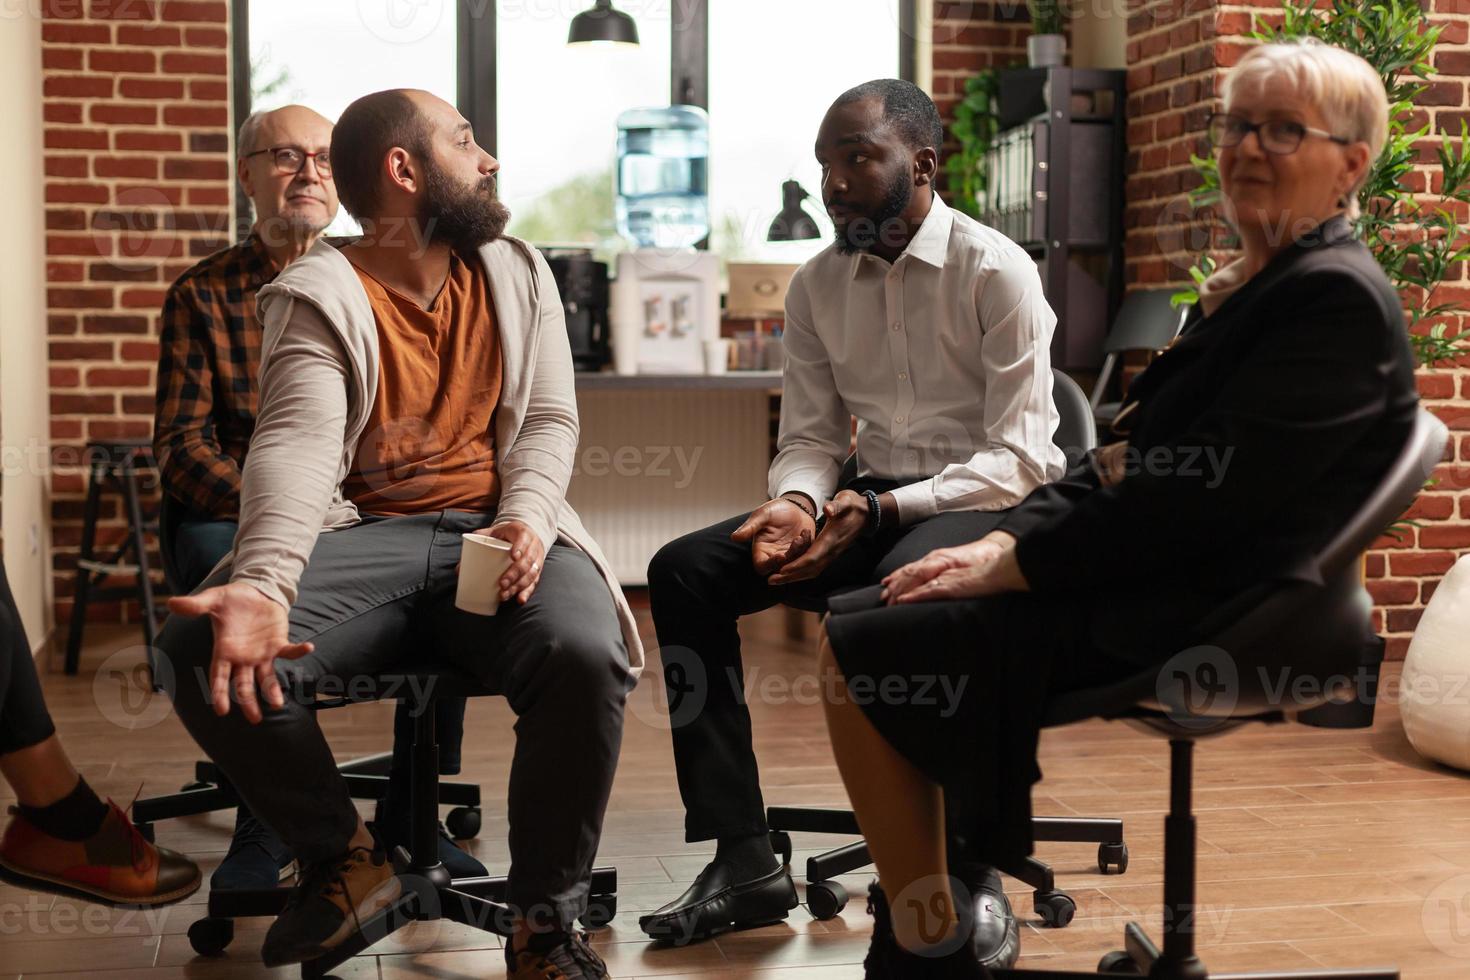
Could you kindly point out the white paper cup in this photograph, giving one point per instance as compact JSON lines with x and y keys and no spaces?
{"x":716,"y":356}
{"x":482,"y":561}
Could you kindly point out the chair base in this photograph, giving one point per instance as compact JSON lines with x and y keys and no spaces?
{"x":367,"y":779}
{"x":428,"y":894}
{"x":826,"y":898}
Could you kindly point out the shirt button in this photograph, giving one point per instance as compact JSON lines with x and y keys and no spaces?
{"x":899,"y":420}
{"x":903,"y":376}
{"x":898,"y":326}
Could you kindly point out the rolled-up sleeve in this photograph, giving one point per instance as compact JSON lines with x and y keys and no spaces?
{"x":1016,"y":326}
{"x":816,"y":427}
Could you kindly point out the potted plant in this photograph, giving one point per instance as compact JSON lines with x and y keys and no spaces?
{"x":1047,"y":46}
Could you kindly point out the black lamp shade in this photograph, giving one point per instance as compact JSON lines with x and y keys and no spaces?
{"x":603,"y":23}
{"x":793,"y":224}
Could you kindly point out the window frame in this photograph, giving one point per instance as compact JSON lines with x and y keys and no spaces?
{"x":476,"y":80}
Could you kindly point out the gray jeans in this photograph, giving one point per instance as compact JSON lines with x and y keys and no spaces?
{"x":380,"y":596}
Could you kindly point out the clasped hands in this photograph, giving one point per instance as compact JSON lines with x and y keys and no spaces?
{"x":250,"y":628}
{"x":786,"y":547}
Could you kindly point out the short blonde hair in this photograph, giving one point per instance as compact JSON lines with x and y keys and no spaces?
{"x":1345,"y":89}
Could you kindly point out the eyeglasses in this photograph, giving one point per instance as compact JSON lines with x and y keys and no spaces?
{"x":1279,"y":136}
{"x":291,"y":159}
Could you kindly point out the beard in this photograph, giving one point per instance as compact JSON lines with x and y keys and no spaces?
{"x":865,"y":231}
{"x":462,"y":216}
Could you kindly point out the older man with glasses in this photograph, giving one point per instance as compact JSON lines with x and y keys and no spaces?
{"x":207,"y":401}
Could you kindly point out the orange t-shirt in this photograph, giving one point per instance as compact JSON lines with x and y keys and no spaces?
{"x":430,"y":439}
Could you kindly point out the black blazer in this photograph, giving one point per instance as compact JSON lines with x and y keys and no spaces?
{"x":1255,"y":437}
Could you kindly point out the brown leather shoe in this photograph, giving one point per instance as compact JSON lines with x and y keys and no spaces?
{"x":570,"y":960}
{"x":330,"y":902}
{"x":116,"y":865}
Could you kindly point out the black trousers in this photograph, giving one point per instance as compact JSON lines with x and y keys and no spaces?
{"x":699,"y":586}
{"x":379,"y":596}
{"x":24,"y":720}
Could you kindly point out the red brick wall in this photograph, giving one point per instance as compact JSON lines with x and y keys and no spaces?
{"x":1178,"y":50}
{"x":137,"y":162}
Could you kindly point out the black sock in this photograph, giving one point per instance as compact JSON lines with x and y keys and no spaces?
{"x":76,"y":816}
{"x":748,"y":857}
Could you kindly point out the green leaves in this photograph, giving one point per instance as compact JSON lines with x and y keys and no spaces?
{"x":1416,"y":238}
{"x":974,"y":128}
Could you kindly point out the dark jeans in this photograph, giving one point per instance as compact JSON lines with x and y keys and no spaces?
{"x":699,"y":586}
{"x":379,"y":596}
{"x":198,"y":545}
{"x":24,"y":721}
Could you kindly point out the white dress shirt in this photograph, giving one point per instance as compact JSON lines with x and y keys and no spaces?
{"x":942,"y":356}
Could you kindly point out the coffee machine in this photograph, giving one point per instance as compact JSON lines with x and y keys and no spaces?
{"x":582,"y":282}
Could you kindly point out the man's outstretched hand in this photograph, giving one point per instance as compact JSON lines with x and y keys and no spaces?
{"x":249,"y":634}
{"x":778,"y":531}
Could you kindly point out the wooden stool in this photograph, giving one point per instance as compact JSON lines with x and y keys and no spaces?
{"x":115,"y":467}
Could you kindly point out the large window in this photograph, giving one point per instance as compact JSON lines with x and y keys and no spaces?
{"x":325,"y":55}
{"x":765,"y":69}
{"x":774,"y":68}
{"x":556,"y":116}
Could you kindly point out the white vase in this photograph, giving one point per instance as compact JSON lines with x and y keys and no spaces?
{"x":1046,"y":50}
{"x":1435,"y":703}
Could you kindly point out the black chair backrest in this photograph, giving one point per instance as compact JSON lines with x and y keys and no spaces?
{"x":1283,"y":647}
{"x":1076,"y":432}
{"x":1147,"y":320}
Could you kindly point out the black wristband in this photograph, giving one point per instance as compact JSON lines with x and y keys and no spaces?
{"x":875,"y":514}
{"x":801,"y":501}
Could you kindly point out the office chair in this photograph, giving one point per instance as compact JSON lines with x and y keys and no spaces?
{"x":1310,"y":639}
{"x":826,"y":898}
{"x":367,"y":777}
{"x":1147,"y":321}
{"x":428,"y":891}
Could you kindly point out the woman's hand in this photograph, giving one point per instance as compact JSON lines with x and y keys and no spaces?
{"x":984,"y":567}
{"x":527,"y":555}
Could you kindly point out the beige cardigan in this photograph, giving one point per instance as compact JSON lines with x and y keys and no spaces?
{"x":318,"y":381}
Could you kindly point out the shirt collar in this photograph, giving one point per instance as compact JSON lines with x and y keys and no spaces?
{"x":267,"y":265}
{"x":930,"y":243}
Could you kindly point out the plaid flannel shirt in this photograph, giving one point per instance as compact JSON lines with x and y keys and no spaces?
{"x":208,"y":361}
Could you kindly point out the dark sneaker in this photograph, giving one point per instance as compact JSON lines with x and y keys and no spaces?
{"x":115,"y":865}
{"x":572,"y":959}
{"x":391,"y":830}
{"x":257,"y":857}
{"x":329,"y":903}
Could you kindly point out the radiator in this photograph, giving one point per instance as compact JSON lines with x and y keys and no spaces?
{"x":654,"y":464}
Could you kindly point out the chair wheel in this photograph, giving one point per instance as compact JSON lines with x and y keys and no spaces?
{"x":1118,"y":963}
{"x":463,"y":822}
{"x":146,"y":829}
{"x":195,"y":787}
{"x":781,"y":844}
{"x":601,"y":910}
{"x":1112,"y":855}
{"x":209,"y":937}
{"x":1055,"y":908}
{"x":826,"y":900}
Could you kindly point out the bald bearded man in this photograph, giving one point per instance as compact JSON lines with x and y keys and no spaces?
{"x":207,"y":401}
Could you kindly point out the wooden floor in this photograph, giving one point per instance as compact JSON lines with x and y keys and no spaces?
{"x":1318,"y":848}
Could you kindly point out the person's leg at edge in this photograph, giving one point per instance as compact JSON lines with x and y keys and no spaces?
{"x":907,"y":841}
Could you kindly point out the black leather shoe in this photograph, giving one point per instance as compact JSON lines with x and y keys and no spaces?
{"x":391,"y":828}
{"x":715,"y":904}
{"x":996,"y":937}
{"x":887,"y":960}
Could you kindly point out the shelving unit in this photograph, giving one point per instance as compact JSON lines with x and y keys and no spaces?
{"x":1056,"y":173}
